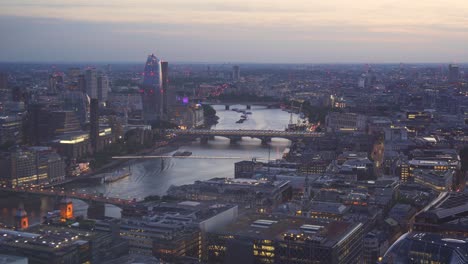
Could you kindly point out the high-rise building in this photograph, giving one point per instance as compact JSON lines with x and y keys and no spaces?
{"x":454,"y":73}
{"x":102,"y":87}
{"x":94,"y":127}
{"x":91,"y":83}
{"x":164,"y":92}
{"x":236,"y":73}
{"x":152,"y":85}
{"x":52,"y":84}
{"x":73,"y":73}
{"x":81,"y":83}
{"x":62,"y":122}
{"x":11,"y":129}
{"x":76,"y":101}
{"x":19,"y":167}
{"x":3,"y":81}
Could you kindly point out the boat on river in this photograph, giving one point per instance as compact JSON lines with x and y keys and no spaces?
{"x":116,"y":176}
{"x":182,"y":154}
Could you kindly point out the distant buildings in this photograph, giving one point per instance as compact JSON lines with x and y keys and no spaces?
{"x":345,"y":122}
{"x":447,"y":216}
{"x":43,"y":244}
{"x":260,"y":194}
{"x":279,"y":239}
{"x":102,"y":88}
{"x":96,"y":85}
{"x":453,"y":73}
{"x":94,"y":124}
{"x":11,"y":130}
{"x":31,"y":166}
{"x":91,"y":83}
{"x":171,"y":231}
{"x":3,"y":81}
{"x":152,"y":89}
{"x":426,"y":248}
{"x":235,"y":73}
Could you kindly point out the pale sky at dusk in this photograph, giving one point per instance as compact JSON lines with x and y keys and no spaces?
{"x":303,"y":31}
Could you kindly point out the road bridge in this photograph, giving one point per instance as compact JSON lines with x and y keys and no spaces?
{"x":90,"y":198}
{"x":235,"y":135}
{"x":227,"y":105}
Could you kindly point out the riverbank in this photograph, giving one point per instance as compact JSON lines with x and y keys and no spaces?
{"x":172,"y":146}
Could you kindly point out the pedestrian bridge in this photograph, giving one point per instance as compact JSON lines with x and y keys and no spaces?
{"x":234,"y":135}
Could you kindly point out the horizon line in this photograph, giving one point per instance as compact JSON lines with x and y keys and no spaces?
{"x":220,"y":62}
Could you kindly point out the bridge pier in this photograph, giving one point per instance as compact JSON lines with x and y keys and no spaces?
{"x":226,"y":107}
{"x":96,"y":210}
{"x":265,"y":141}
{"x":234,"y":140}
{"x":249,"y":107}
{"x":204,"y":140}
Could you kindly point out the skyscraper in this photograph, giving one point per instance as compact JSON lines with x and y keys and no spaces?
{"x":102,"y":87}
{"x":94,"y":124}
{"x":454,"y":73}
{"x":91,"y":83}
{"x":3,"y":81}
{"x":52,"y":84}
{"x":164,"y":92}
{"x":236,"y":73}
{"x":152,"y":89}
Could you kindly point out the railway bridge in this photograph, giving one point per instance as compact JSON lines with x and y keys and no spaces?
{"x":235,"y":135}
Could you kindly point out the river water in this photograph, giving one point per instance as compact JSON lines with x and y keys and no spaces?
{"x":155,"y":176}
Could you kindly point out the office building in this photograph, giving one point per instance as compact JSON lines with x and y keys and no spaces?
{"x":91,"y":83}
{"x":94,"y":124}
{"x":170,"y":231}
{"x":76,"y":101}
{"x":152,"y":85}
{"x":440,"y":181}
{"x":52,"y":85}
{"x":246,"y":168}
{"x":426,"y":248}
{"x":33,"y":165}
{"x":447,"y":216}
{"x":235,"y":73}
{"x":375,"y":245}
{"x":102,"y":88}
{"x":345,"y":122}
{"x":47,"y":244}
{"x":3,"y":81}
{"x":11,"y":130}
{"x":73,"y":146}
{"x":164,"y":90}
{"x":73,"y":73}
{"x":262,"y":195}
{"x":62,"y":122}
{"x":282,"y":239}
{"x":453,"y":73}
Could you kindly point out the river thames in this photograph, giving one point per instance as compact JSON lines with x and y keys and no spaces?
{"x":155,"y":176}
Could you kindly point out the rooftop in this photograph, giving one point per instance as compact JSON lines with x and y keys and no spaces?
{"x":280,"y":227}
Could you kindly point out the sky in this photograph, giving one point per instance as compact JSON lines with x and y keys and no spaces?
{"x":223,"y":31}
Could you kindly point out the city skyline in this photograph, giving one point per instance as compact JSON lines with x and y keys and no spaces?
{"x":235,"y":31}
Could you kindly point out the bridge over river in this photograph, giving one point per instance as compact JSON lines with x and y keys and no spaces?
{"x":235,"y":135}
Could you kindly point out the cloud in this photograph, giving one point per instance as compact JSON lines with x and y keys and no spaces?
{"x":241,"y":29}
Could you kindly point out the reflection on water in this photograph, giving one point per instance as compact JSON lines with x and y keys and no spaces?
{"x":154,"y":177}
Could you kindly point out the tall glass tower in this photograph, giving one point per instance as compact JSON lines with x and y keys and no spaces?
{"x":152,"y":89}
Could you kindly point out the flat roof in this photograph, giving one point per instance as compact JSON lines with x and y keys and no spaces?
{"x":277,"y":227}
